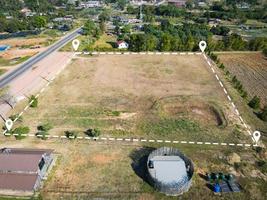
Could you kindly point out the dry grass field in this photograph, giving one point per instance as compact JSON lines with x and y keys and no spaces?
{"x":152,"y":97}
{"x":114,"y":170}
{"x":251,"y":70}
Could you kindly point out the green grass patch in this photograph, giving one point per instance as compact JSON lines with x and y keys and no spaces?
{"x":170,"y":126}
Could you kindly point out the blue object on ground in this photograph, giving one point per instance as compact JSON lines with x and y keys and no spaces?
{"x":217,"y":188}
{"x":4,"y":47}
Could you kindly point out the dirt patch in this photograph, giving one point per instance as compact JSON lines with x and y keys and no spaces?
{"x":18,"y":42}
{"x":104,"y":159}
{"x":192,"y":107}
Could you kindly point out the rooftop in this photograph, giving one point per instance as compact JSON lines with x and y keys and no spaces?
{"x":168,"y":169}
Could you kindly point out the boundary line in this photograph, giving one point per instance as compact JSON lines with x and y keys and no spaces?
{"x":136,"y":139}
{"x":228,"y":97}
{"x":115,"y":139}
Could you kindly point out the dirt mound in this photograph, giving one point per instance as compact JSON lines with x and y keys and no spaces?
{"x":192,"y":108}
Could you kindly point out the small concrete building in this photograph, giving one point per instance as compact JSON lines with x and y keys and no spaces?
{"x":22,"y":170}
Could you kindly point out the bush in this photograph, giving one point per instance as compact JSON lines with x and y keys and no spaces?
{"x":254,"y":102}
{"x":42,"y":134}
{"x":34,"y":101}
{"x":221,"y":66}
{"x":45,"y":127}
{"x":263,"y":114}
{"x":71,"y":134}
{"x":13,"y":117}
{"x":93,"y":132}
{"x":214,"y":57}
{"x":20,"y":132}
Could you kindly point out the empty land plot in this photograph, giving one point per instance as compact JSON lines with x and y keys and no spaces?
{"x":251,"y":70}
{"x":153,"y":97}
{"x":86,"y":170}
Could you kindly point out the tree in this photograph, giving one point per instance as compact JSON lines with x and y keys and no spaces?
{"x":165,"y":42}
{"x":38,"y":6}
{"x":263,"y":114}
{"x":3,"y":24}
{"x":264,"y":51}
{"x":21,"y":132}
{"x":151,"y":42}
{"x":189,"y":45}
{"x":254,"y":102}
{"x":126,"y":29}
{"x":104,"y":16}
{"x":39,"y":22}
{"x":122,"y":4}
{"x":13,"y":26}
{"x":91,"y":29}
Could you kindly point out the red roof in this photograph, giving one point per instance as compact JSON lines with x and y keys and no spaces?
{"x":120,"y":42}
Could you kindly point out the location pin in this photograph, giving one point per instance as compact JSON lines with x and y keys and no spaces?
{"x":75,"y":44}
{"x":8,"y":124}
{"x":256,"y":136}
{"x":202,"y":45}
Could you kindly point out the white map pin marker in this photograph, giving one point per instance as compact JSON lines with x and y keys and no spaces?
{"x":202,"y":45}
{"x":8,"y":124}
{"x":75,"y":44}
{"x":256,"y":136}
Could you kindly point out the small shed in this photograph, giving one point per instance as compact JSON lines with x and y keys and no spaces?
{"x":122,"y":45}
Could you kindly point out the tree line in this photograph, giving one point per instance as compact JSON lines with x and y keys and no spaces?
{"x":185,"y":37}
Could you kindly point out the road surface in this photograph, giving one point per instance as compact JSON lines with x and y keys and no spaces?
{"x":8,"y":77}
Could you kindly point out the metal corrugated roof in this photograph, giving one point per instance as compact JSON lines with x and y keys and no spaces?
{"x":11,"y":181}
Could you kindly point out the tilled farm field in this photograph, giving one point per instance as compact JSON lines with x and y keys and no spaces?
{"x":250,"y":69}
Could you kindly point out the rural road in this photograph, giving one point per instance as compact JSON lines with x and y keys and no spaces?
{"x":9,"y":77}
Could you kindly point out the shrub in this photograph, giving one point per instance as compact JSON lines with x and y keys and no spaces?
{"x":34,"y":101}
{"x":93,"y":132}
{"x":13,"y":117}
{"x":221,"y":66}
{"x":20,"y":132}
{"x":45,"y":127}
{"x":71,"y":134}
{"x":42,"y":134}
{"x":244,"y":94}
{"x":263,"y":114}
{"x":254,"y":102}
{"x":214,"y":57}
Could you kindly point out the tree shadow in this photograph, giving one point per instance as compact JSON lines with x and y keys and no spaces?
{"x":203,"y":176}
{"x":210,"y":186}
{"x":139,"y":162}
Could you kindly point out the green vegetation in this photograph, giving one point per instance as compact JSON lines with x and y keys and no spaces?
{"x":71,"y":134}
{"x":168,"y":126}
{"x":20,"y":132}
{"x":263,"y":114}
{"x":13,"y":117}
{"x":93,"y":132}
{"x":34,"y":101}
{"x":254,"y":102}
{"x":43,"y":130}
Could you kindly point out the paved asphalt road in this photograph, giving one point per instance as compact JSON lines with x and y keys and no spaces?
{"x":6,"y":79}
